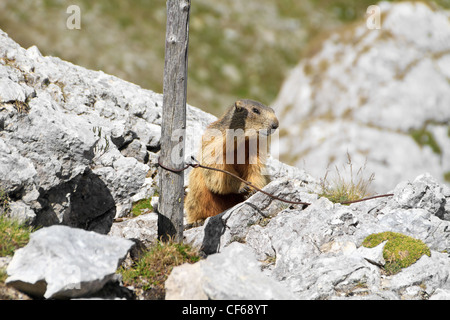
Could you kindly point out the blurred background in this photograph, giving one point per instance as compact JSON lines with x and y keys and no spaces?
{"x":237,"y":48}
{"x":271,"y":51}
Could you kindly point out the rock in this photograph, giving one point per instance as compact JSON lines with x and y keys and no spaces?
{"x":143,"y":228}
{"x":232,"y":275}
{"x":373,"y":255}
{"x":382,"y":95}
{"x":61,"y":262}
{"x":233,"y":224}
{"x":440,"y":294}
{"x":424,"y":193}
{"x":185,"y":282}
{"x":4,"y":261}
{"x":430,"y":273}
{"x":316,"y":251}
{"x":76,"y":146}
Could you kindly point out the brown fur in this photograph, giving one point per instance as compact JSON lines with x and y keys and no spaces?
{"x":212,"y":192}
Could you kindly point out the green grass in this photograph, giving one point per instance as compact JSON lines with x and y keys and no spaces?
{"x":13,"y":236}
{"x":150,"y":272}
{"x":346,"y":188}
{"x":399,"y":252}
{"x":3,"y":275}
{"x":140,"y":205}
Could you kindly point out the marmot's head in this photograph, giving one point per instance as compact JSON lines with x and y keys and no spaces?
{"x":253,"y":115}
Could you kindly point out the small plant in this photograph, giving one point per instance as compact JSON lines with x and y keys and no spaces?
{"x":21,"y":107}
{"x":13,"y":235}
{"x":340,"y":190}
{"x":140,"y":205}
{"x":3,"y":275}
{"x":399,"y":252}
{"x":150,"y":272}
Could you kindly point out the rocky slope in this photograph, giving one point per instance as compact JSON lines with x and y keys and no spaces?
{"x":77,"y":147}
{"x":382,"y":95}
{"x":316,"y":253}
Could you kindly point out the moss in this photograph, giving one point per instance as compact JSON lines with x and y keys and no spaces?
{"x":424,"y":137}
{"x":399,"y":252}
{"x":140,"y":205}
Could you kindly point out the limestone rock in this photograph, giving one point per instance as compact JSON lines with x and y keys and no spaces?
{"x":232,"y":275}
{"x":76,"y":146}
{"x":61,"y":262}
{"x":316,"y":251}
{"x":143,"y":228}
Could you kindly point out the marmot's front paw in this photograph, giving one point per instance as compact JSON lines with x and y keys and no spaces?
{"x":247,"y":191}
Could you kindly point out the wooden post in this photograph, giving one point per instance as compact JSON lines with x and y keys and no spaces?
{"x":171,"y":200}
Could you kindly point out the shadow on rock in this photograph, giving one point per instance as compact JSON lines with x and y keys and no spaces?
{"x":84,"y":202}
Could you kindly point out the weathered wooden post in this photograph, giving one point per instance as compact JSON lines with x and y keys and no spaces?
{"x":170,"y":207}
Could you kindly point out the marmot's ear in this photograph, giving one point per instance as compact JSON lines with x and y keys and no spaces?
{"x":239,"y":105}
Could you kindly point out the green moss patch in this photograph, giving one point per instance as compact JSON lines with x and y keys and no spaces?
{"x":399,"y":252}
{"x":140,"y":205}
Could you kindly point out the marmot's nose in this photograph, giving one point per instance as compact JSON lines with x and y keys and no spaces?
{"x":275,"y":125}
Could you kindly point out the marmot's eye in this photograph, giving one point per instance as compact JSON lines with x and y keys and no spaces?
{"x":256,"y":110}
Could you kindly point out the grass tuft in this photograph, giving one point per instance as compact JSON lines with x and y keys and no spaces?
{"x":13,"y":236}
{"x":150,"y":271}
{"x":341,"y":189}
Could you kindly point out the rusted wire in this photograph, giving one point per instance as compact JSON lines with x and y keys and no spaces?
{"x":198,"y":165}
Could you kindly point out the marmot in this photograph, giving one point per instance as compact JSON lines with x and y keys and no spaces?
{"x":237,"y":142}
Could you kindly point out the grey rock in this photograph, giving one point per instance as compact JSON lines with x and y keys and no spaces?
{"x":185,"y":283}
{"x":11,"y":91}
{"x":61,"y":262}
{"x":85,"y":145}
{"x":143,"y":228}
{"x":234,"y":274}
{"x":22,"y":213}
{"x":431,"y":273}
{"x":316,"y":251}
{"x":4,"y":262}
{"x":440,"y":294}
{"x":373,"y":255}
{"x":424,"y":193}
{"x":233,"y":224}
